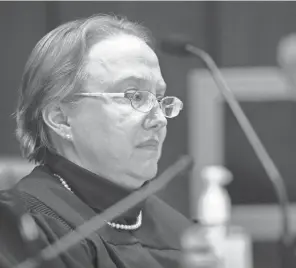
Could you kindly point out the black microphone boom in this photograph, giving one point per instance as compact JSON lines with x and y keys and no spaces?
{"x":179,"y":47}
{"x":175,"y":46}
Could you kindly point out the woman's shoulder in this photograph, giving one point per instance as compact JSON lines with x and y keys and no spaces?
{"x":52,"y":225}
{"x":38,"y":177}
{"x":42,"y":197}
{"x":26,"y":232}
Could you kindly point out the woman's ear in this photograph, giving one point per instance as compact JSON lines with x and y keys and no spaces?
{"x":57,"y":120}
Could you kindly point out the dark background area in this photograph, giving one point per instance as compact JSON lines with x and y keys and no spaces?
{"x":274,"y":122}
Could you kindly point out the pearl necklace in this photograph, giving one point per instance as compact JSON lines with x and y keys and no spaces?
{"x":112,"y":224}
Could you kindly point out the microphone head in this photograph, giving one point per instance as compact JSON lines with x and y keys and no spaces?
{"x":175,"y":45}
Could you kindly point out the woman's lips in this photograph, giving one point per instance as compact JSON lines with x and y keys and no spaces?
{"x":151,"y":144}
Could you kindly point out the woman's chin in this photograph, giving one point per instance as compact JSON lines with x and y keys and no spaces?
{"x":150,"y":170}
{"x":151,"y":174}
{"x":145,"y":173}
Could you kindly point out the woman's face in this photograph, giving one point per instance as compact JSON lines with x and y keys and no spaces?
{"x":108,"y":133}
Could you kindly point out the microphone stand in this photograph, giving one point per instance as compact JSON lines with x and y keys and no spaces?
{"x":268,"y":164}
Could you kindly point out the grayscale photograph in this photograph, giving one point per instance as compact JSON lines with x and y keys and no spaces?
{"x":147,"y":134}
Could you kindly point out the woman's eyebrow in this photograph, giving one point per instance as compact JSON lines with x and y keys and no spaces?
{"x":161,"y":86}
{"x":127,"y":78}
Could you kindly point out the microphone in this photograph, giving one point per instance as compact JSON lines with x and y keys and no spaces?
{"x":176,"y":46}
{"x":181,"y":47}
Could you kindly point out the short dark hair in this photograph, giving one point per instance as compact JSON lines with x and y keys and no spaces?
{"x":55,"y":70}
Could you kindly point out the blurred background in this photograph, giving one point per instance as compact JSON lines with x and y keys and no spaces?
{"x":242,"y":37}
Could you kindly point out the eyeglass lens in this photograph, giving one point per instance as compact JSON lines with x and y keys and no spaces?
{"x":144,"y":101}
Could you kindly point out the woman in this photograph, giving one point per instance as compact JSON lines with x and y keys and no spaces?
{"x":92,"y":113}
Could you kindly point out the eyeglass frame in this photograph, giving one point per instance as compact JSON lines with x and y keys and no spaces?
{"x":129,"y":97}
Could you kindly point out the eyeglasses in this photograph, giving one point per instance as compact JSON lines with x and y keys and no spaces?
{"x":144,"y":101}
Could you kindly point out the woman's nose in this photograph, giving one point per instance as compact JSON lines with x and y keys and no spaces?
{"x":155,"y":118}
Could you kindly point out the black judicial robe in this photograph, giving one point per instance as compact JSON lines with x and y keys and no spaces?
{"x":17,"y":242}
{"x":57,"y":211}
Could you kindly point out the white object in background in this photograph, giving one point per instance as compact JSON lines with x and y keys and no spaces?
{"x":231,"y":244}
{"x":238,"y":249}
{"x":214,"y":206}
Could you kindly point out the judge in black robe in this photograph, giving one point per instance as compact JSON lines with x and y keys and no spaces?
{"x":92,"y":113}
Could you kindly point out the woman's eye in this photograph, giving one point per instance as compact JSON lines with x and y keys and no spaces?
{"x":130,"y":92}
{"x":137,"y":96}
